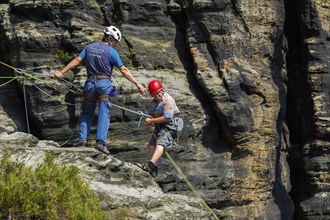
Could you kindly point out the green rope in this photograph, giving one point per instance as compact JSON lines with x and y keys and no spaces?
{"x":5,"y":64}
{"x":29,"y":75}
{"x":190,"y":185}
{"x":9,"y":81}
{"x":7,"y":77}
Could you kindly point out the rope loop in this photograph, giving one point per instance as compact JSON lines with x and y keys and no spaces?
{"x":140,"y":121}
{"x":24,"y":73}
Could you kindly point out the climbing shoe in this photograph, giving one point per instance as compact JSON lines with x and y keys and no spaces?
{"x":151,"y":168}
{"x":102,"y":148}
{"x":80,"y":143}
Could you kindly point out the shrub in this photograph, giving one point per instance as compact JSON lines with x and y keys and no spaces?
{"x":130,"y":53}
{"x":63,"y":56}
{"x":49,"y":191}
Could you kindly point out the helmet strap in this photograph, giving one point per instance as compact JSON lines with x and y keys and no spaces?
{"x":111,"y":40}
{"x":108,"y":39}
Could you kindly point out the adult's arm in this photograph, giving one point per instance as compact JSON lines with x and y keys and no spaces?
{"x":75,"y":62}
{"x":129,"y":76}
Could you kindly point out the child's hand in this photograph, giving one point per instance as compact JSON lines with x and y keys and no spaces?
{"x":147,"y":121}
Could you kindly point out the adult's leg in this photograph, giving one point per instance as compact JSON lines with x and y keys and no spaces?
{"x":103,"y":122}
{"x":103,"y":87}
{"x":87,"y":110}
{"x":86,"y":120}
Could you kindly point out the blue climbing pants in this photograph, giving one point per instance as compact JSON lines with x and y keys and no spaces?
{"x":96,"y":91}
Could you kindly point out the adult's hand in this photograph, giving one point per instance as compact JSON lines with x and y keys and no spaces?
{"x":141,"y":89}
{"x":58,"y":75}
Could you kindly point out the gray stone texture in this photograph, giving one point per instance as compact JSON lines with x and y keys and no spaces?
{"x":250,"y":77}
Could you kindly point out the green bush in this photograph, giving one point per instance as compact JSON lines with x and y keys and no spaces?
{"x":63,"y":56}
{"x":49,"y":191}
{"x":130,"y":53}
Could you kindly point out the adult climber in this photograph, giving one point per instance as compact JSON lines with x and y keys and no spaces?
{"x":165,"y":116}
{"x":100,"y":58}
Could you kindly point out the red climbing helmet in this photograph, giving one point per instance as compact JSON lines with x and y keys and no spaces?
{"x":154,"y":87}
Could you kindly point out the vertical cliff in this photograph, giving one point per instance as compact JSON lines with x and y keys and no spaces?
{"x":250,"y":77}
{"x":307,"y":31}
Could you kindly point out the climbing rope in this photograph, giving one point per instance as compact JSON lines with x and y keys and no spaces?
{"x":49,"y":95}
{"x":76,"y":90}
{"x":190,"y":185}
{"x":135,"y":112}
{"x":5,"y":64}
{"x":9,"y":81}
{"x":24,"y":74}
{"x":183,"y":176}
{"x":26,"y":112}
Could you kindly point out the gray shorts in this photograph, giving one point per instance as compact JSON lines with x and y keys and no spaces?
{"x":162,"y":137}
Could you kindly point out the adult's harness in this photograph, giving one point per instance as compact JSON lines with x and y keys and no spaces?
{"x":100,"y":96}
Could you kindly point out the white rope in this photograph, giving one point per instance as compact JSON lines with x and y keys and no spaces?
{"x":44,"y":92}
{"x":26,"y":112}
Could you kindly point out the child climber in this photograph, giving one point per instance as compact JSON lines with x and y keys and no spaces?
{"x":165,"y":115}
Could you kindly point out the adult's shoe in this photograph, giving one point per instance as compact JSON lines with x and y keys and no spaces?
{"x":80,"y":143}
{"x":102,"y":148}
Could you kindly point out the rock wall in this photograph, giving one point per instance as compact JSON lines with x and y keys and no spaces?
{"x":253,"y":97}
{"x":308,"y":106}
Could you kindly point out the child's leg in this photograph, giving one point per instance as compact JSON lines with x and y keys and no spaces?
{"x":157,"y":153}
{"x":151,"y":149}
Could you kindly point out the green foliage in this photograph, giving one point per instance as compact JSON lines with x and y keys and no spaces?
{"x":130,"y":53}
{"x":49,"y":191}
{"x":63,"y":56}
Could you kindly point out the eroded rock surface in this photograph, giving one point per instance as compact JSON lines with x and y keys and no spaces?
{"x":249,"y":97}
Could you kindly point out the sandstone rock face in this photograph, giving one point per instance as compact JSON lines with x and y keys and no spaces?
{"x":308,"y":107}
{"x":252,"y":87}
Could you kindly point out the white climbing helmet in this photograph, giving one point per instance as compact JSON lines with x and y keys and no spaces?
{"x":114,"y":32}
